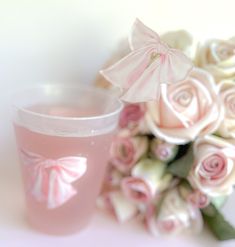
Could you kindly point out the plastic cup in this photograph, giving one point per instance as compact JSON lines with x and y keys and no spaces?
{"x":63,"y":135}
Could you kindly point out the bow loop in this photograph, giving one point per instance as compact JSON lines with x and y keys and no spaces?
{"x":141,"y":36}
{"x":72,"y":168}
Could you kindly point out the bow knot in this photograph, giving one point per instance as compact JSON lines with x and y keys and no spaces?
{"x":50,"y":163}
{"x":50,"y":179}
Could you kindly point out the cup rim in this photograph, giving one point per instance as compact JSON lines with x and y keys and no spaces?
{"x":76,"y":87}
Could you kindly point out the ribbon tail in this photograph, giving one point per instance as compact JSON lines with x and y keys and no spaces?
{"x":39,"y":184}
{"x":125,"y":72}
{"x":147,"y":87}
{"x":59,"y":192}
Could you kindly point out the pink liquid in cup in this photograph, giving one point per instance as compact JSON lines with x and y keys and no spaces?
{"x":64,"y":148}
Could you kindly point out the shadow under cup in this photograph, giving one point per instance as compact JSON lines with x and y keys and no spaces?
{"x":63,"y":136}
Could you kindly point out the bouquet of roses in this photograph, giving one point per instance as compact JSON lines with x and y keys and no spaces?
{"x":173,"y":160}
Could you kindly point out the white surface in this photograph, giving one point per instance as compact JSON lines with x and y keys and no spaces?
{"x":63,"y":40}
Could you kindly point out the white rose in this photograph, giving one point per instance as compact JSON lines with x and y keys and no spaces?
{"x":181,"y":40}
{"x":175,"y":216}
{"x":227,"y":94}
{"x":218,"y":57}
{"x":186,"y":110}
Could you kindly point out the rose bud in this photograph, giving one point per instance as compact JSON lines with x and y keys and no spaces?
{"x":174,"y":216}
{"x":148,"y":179}
{"x":118,"y":205}
{"x":186,"y":109}
{"x":198,"y":199}
{"x":126,"y":151}
{"x":162,"y":150}
{"x":193,"y":196}
{"x":218,"y":57}
{"x":132,"y":118}
{"x":213,"y":171}
{"x":112,"y":179}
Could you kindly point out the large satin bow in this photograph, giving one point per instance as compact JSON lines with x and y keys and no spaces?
{"x":50,"y":180}
{"x":151,"y":63}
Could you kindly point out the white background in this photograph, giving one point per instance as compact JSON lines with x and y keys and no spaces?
{"x":69,"y":40}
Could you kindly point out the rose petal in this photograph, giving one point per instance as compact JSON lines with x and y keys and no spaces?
{"x":119,"y":205}
{"x":152,"y":172}
{"x":137,"y":190}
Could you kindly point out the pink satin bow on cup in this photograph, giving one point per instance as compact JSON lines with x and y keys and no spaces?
{"x":151,"y":63}
{"x":51,"y":179}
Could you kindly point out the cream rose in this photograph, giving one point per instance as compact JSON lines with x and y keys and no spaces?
{"x":218,"y":57}
{"x":175,"y":216}
{"x":181,"y":40}
{"x":227,"y":94}
{"x":186,"y":109}
{"x":118,"y":205}
{"x":148,"y":178}
{"x":213,"y":172}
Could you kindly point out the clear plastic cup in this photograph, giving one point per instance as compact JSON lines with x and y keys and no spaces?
{"x":63,"y":136}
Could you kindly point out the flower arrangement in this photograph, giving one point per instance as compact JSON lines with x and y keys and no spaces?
{"x":172,"y":164}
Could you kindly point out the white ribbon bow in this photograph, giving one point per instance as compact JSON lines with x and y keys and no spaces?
{"x":51,"y":179}
{"x":150,"y":63}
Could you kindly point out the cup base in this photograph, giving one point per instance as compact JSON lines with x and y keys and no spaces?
{"x":59,"y":231}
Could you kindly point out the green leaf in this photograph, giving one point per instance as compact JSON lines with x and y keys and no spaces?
{"x":220,"y":227}
{"x":182,"y":166}
{"x":219,"y":201}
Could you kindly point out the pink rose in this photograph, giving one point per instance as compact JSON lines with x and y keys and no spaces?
{"x":149,"y":178}
{"x":132,"y":118}
{"x":175,"y":216}
{"x":195,"y":197}
{"x":118,"y":205}
{"x":213,"y":171}
{"x":186,"y":109}
{"x":137,"y":190}
{"x":162,"y":150}
{"x":227,"y":94}
{"x":198,"y":199}
{"x":126,"y":151}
